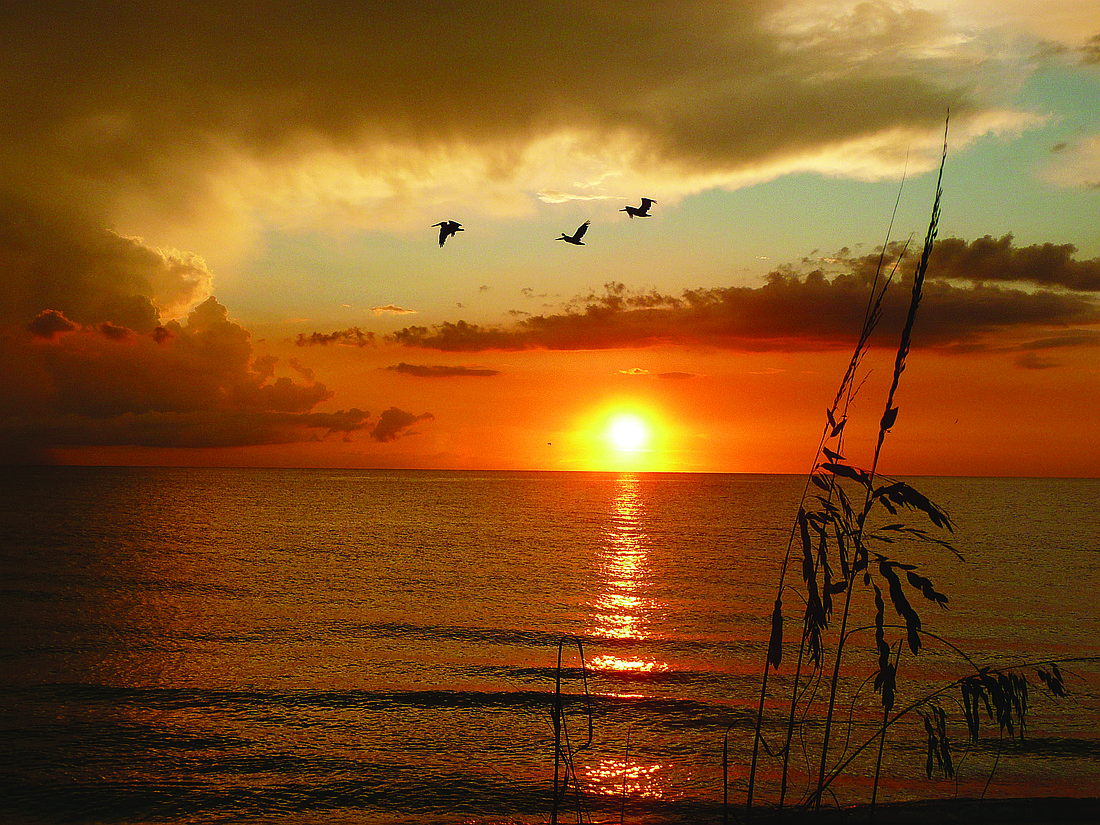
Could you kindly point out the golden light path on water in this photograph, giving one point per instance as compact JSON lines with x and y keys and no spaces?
{"x":625,"y":611}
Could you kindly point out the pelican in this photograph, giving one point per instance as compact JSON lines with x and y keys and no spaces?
{"x":446,"y":229}
{"x":575,"y":238}
{"x":639,"y":211}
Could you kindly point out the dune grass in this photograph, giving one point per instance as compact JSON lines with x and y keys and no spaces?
{"x":852,"y":522}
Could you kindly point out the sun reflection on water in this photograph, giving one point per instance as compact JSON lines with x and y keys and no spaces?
{"x":615,"y":776}
{"x":614,"y":663}
{"x":624,"y":610}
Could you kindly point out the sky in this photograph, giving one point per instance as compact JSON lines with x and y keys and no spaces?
{"x":217,"y":243}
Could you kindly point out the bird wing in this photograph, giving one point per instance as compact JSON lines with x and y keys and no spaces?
{"x":646,"y":202}
{"x":581,"y":230}
{"x":440,"y":224}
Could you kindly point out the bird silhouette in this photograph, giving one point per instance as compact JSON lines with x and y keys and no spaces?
{"x":639,"y":211}
{"x":446,"y":229}
{"x":575,"y":238}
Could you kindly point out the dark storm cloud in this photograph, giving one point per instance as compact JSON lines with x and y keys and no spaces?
{"x":440,"y":371}
{"x":794,"y":311}
{"x":395,"y":423}
{"x":105,"y":101}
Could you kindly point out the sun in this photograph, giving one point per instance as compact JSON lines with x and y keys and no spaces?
{"x":628,"y":433}
{"x":623,"y":435}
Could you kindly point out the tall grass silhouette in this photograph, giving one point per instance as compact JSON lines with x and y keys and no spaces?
{"x":853,"y":522}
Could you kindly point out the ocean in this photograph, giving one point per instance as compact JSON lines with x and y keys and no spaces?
{"x":307,"y":646}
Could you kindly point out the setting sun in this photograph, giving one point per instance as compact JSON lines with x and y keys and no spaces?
{"x":628,"y":433}
{"x":624,"y":435}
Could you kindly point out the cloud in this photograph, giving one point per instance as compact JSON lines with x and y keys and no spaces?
{"x":114,"y":332}
{"x":634,"y":371}
{"x":69,"y":265}
{"x":106,"y":339}
{"x":677,"y":376}
{"x":1035,"y":361}
{"x":440,"y":371}
{"x":998,"y":260}
{"x":808,"y":310}
{"x":461,"y":336}
{"x":306,"y":372}
{"x":1090,"y":51}
{"x":1073,"y":338}
{"x":206,"y":363}
{"x":391,"y":309}
{"x":208,"y":119}
{"x":192,"y":384}
{"x":556,"y":196}
{"x":768,"y":371}
{"x":50,"y":323}
{"x":189,"y":120}
{"x":1034,"y":355}
{"x":199,"y":429}
{"x":352,"y":336}
{"x":394,"y":423}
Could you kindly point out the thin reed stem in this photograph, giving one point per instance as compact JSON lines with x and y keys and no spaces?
{"x":564,"y":768}
{"x":845,"y":393}
{"x":889,"y":416}
{"x":882,"y":742}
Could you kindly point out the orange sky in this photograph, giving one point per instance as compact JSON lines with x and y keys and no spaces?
{"x":217,"y":247}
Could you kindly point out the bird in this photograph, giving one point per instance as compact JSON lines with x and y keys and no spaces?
{"x":446,"y":229}
{"x":575,"y":238}
{"x":639,"y":211}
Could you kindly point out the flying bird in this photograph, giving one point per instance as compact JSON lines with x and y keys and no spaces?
{"x":575,"y":238}
{"x":639,"y":211}
{"x":446,"y":229}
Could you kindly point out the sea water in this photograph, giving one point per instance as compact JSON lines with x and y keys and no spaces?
{"x":201,"y":645}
